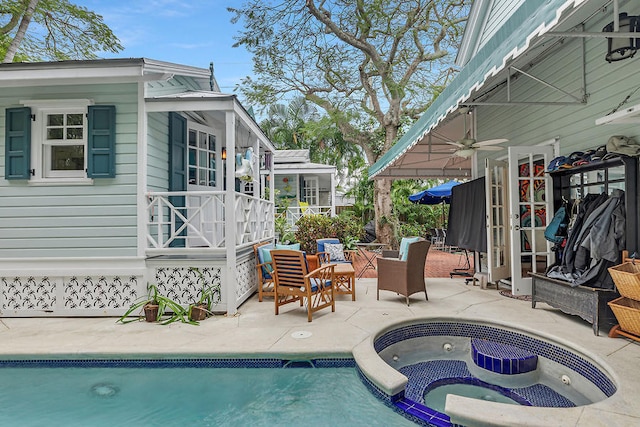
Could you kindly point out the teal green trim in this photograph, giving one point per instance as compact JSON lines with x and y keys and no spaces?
{"x":101,"y":141}
{"x":510,"y":37}
{"x":17,"y":143}
{"x":177,"y":152}
{"x":178,"y":167}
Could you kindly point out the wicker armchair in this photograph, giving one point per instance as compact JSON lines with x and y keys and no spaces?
{"x":404,"y":277}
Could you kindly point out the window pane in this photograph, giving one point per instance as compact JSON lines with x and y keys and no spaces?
{"x":67,"y":157}
{"x":212,"y":142}
{"x":55,"y":133}
{"x":203,"y":140}
{"x":55,"y":119}
{"x":74,"y":133}
{"x":192,"y":137}
{"x":74,"y":119}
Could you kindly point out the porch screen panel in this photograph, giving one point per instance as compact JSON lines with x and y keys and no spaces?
{"x":467,"y":228}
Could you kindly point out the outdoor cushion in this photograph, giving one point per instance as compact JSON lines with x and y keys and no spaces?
{"x":404,"y":246}
{"x":264,"y":256}
{"x":335,"y":251}
{"x":293,"y":246}
{"x":315,"y":282}
{"x":322,"y":242}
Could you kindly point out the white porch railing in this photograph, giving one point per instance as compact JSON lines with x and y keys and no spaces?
{"x":294,"y":213}
{"x":189,"y":220}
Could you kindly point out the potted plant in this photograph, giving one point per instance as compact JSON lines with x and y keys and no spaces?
{"x":209,"y":295}
{"x":155,"y":306}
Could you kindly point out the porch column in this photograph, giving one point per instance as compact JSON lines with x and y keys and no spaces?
{"x":230,"y":214}
{"x":256,"y":167}
{"x":333,"y":195}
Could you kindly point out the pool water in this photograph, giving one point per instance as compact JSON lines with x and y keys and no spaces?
{"x":189,"y":396}
{"x":435,"y":399}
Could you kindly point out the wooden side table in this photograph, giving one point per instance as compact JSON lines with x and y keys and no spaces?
{"x":345,"y":280}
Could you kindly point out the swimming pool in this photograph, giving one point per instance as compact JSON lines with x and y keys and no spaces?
{"x":199,"y":392}
{"x":529,"y":369}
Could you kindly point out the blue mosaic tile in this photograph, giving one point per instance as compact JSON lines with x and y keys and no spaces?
{"x":238,"y":363}
{"x":541,"y":348}
{"x":541,"y":395}
{"x":500,"y":358}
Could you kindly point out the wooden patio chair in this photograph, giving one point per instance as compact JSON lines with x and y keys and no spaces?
{"x":294,"y":283}
{"x":264,"y":270}
{"x":404,"y":277}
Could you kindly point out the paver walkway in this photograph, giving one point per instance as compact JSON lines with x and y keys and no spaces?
{"x":439,"y":264}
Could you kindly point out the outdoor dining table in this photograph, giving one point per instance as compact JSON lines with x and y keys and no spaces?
{"x":370,"y":252}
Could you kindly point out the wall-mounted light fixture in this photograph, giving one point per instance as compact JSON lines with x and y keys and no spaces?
{"x":224,"y":153}
{"x":620,"y":48}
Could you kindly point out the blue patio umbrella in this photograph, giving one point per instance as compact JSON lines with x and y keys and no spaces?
{"x":435,"y":195}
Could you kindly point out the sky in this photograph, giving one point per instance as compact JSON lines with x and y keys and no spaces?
{"x":188,"y":32}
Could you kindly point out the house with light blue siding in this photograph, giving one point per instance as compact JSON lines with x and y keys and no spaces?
{"x":538,"y":79}
{"x":122,"y":172}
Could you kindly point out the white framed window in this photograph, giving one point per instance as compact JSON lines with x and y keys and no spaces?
{"x":64,"y":144}
{"x":203,"y":156}
{"x":310,"y":190}
{"x":59,"y":142}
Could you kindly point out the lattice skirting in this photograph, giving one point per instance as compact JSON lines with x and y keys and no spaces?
{"x":67,"y":295}
{"x":94,"y":294}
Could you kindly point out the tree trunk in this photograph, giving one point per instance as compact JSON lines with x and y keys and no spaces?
{"x":22,"y":30}
{"x":382,"y":209}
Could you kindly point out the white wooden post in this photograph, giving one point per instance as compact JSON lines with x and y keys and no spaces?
{"x":230,"y":214}
{"x":333,"y":194}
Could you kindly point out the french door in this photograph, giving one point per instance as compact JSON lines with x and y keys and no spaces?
{"x":497,"y":208}
{"x":204,"y":174}
{"x":530,"y":210}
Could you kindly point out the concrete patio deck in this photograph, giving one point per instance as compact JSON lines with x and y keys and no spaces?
{"x":255,"y":330}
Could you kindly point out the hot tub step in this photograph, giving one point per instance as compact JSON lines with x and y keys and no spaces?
{"x":502,"y":358}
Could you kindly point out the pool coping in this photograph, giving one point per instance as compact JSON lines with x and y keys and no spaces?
{"x":468,"y":411}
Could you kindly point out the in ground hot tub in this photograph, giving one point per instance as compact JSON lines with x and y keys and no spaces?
{"x":484,"y":363}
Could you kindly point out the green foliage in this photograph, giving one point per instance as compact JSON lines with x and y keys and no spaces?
{"x":299,"y":125}
{"x":59,"y":30}
{"x":408,"y":230}
{"x":362,"y":192}
{"x":348,"y":229}
{"x":209,"y":294}
{"x":165,"y":305}
{"x":285,"y":232}
{"x":414,"y":213}
{"x":312,"y":227}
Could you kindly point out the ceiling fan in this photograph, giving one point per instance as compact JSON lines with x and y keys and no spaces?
{"x":467,"y":145}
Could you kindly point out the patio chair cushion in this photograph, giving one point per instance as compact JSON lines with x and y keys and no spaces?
{"x":335,"y":251}
{"x":404,"y":246}
{"x":264,"y":256}
{"x":293,"y":246}
{"x":321,"y":242}
{"x":315,"y":282}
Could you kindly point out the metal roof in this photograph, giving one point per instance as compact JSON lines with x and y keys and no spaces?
{"x":422,"y":154}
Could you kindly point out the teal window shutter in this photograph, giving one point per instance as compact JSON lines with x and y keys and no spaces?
{"x":17,"y":144}
{"x":101,"y":141}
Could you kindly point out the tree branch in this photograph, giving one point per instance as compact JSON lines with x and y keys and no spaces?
{"x":22,"y":30}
